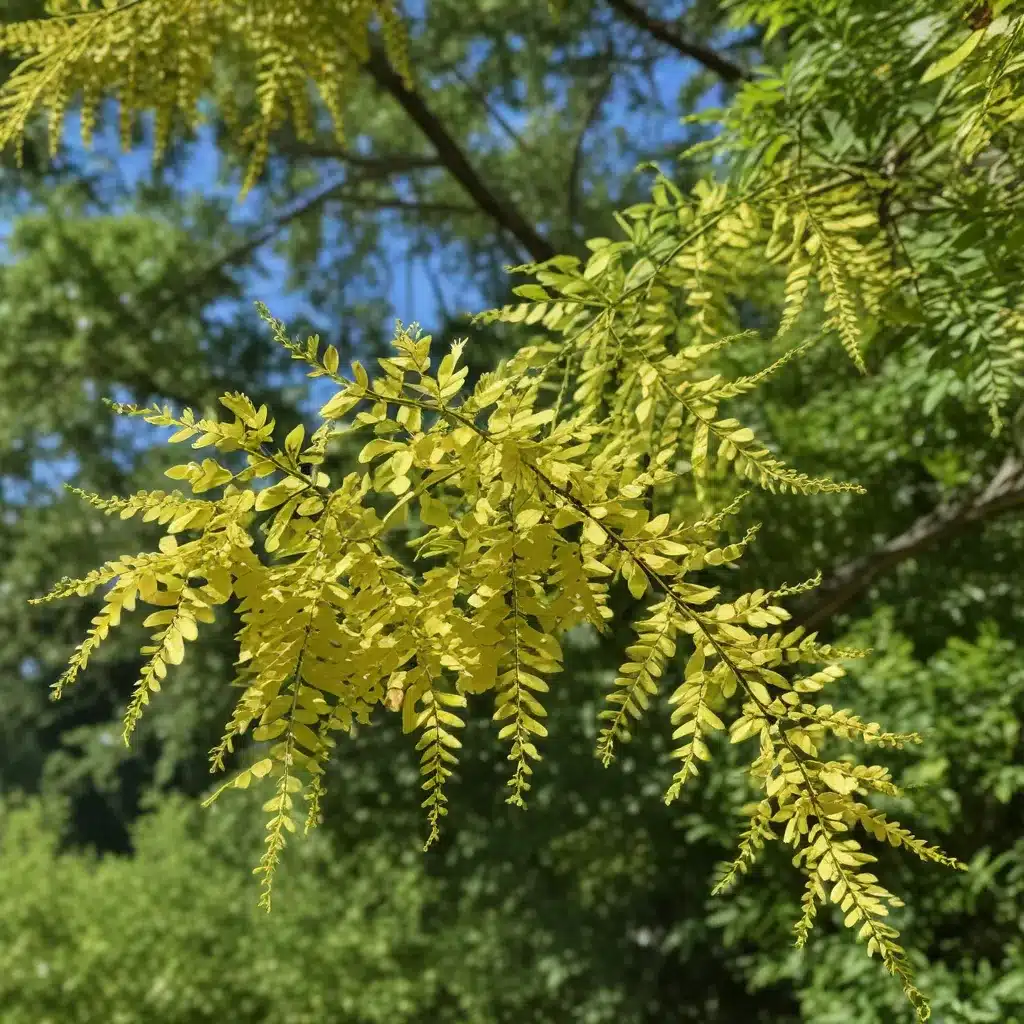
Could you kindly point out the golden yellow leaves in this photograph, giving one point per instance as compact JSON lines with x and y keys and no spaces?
{"x":278,"y":494}
{"x":259,"y":770}
{"x":637,"y":679}
{"x":533,"y":528}
{"x":437,"y":740}
{"x":341,"y":403}
{"x":158,"y":56}
{"x":189,"y":606}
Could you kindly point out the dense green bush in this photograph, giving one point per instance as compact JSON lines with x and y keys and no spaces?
{"x":368,"y":930}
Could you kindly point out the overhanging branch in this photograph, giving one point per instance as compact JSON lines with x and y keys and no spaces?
{"x":503,"y":213}
{"x":152,"y":309}
{"x":1004,"y":492}
{"x":666,"y":33}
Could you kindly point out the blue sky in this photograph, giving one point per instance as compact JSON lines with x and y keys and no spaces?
{"x":411,"y":296}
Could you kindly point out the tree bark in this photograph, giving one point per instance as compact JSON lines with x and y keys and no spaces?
{"x":1003,"y":493}
{"x":666,"y":33}
{"x":450,"y":153}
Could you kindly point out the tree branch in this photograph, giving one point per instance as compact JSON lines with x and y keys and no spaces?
{"x":277,"y":222}
{"x":378,"y":164}
{"x":391,"y":203}
{"x":197,"y":283}
{"x":666,"y":33}
{"x":482,"y":99}
{"x":1004,"y":492}
{"x":451,"y":155}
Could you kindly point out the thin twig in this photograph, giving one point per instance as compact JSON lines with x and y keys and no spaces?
{"x":573,"y":186}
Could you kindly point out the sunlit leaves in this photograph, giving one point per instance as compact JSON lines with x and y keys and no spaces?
{"x":111,"y":52}
{"x":530,"y":500}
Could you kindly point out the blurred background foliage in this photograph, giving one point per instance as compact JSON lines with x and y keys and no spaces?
{"x":122,"y":902}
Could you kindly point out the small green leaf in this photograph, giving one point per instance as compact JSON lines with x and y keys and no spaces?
{"x":174,"y":647}
{"x":953,"y":60}
{"x":433,"y":512}
{"x":695,"y":664}
{"x":187,"y":627}
{"x":529,"y":518}
{"x":637,"y":584}
{"x":840,"y":783}
{"x":531,"y":291}
{"x":340,"y":404}
{"x":270,"y":732}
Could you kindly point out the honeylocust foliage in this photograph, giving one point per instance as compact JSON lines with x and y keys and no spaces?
{"x":906,"y":100}
{"x":158,"y":55}
{"x":599,"y":455}
{"x":529,"y":513}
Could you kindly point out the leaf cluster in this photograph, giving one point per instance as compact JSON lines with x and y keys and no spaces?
{"x":529,"y":513}
{"x":595,"y":458}
{"x":110,"y":49}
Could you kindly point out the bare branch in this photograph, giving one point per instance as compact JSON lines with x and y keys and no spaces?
{"x":333,"y":190}
{"x":1004,"y":492}
{"x":384,"y":163}
{"x":391,"y":203}
{"x":666,"y":33}
{"x":242,"y":251}
{"x":503,"y":213}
